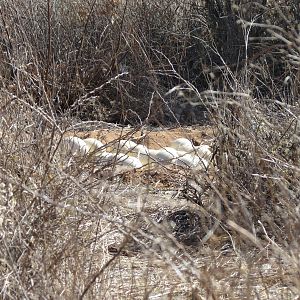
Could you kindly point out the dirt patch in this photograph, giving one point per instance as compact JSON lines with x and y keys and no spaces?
{"x":152,"y":138}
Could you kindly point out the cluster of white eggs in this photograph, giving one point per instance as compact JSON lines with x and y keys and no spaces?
{"x":181,"y":152}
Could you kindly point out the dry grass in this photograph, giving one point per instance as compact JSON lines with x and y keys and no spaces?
{"x":71,"y":227}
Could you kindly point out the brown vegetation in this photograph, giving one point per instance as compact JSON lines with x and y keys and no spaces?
{"x":73,"y":227}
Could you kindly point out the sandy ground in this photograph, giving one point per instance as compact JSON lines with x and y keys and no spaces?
{"x":152,"y":138}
